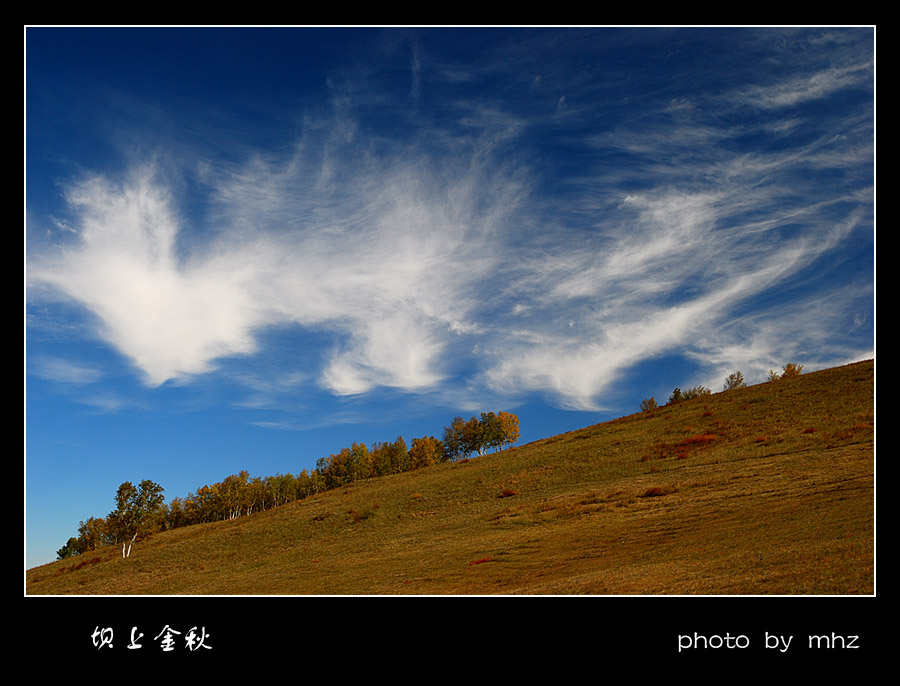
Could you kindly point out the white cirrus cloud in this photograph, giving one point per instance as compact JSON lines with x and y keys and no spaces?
{"x":491,"y":243}
{"x":387,"y":262}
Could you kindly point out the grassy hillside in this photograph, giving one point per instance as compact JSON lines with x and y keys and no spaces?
{"x":761,"y":490}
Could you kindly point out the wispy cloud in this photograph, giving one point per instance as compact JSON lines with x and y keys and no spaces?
{"x":438,"y":258}
{"x":805,"y":88}
{"x":384,"y":255}
{"x":64,"y":371}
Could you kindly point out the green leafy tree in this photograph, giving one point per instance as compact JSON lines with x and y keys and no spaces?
{"x":140,"y":511}
{"x":453,"y":439}
{"x":472,"y":438}
{"x":491,"y":431}
{"x":70,"y":549}
{"x":92,"y":534}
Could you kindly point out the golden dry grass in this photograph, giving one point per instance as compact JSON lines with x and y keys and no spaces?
{"x":761,"y":490}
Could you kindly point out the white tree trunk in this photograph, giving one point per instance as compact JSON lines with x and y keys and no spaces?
{"x":126,"y":551}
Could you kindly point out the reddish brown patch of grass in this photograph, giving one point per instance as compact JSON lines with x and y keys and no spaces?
{"x":700,"y":439}
{"x":85,"y":563}
{"x":678,"y":450}
{"x":358,"y":516}
{"x":507,"y":493}
{"x":480,"y":562}
{"x":810,"y":430}
{"x":653,"y":492}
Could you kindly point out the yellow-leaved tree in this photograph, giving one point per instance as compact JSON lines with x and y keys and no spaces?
{"x":425,"y":452}
{"x":509,"y":426}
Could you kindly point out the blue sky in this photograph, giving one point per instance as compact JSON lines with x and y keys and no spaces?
{"x":249,"y":248}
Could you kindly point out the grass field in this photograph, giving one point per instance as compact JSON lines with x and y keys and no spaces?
{"x":767,"y":489}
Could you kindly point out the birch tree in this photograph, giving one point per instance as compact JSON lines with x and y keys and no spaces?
{"x":139,"y":512}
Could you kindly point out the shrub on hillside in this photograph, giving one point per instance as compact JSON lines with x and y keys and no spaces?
{"x":649,"y":404}
{"x":734,"y":380}
{"x":696,"y":392}
{"x":789,"y":371}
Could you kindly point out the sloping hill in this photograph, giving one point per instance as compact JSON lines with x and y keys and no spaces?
{"x":761,"y":490}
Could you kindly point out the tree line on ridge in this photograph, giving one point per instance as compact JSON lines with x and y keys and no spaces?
{"x":141,"y":510}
